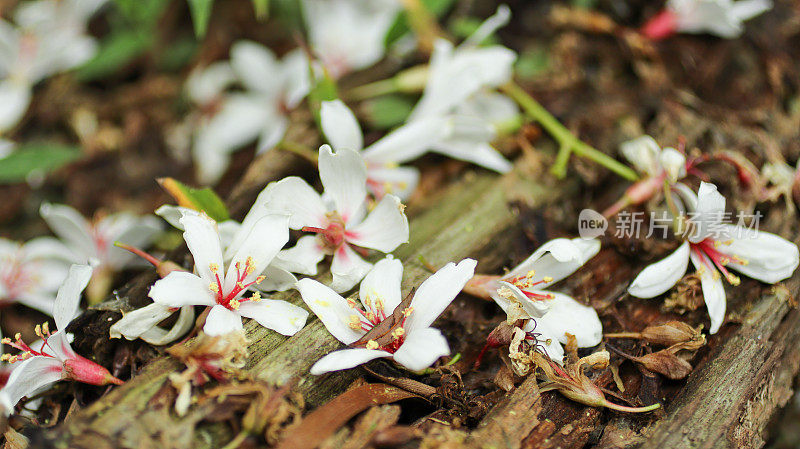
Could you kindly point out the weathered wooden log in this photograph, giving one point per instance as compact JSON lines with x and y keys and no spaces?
{"x":467,"y":221}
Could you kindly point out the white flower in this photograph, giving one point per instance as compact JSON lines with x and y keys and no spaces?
{"x":348,"y":35}
{"x":651,"y":160}
{"x":31,"y":273}
{"x":341,"y":221}
{"x":53,"y":358}
{"x":457,"y":94}
{"x":714,"y":247}
{"x":272,"y":88}
{"x":382,"y":157}
{"x":50,"y":38}
{"x":521,"y":295}
{"x":402,"y":329}
{"x":223,"y":285}
{"x":723,"y":18}
{"x":93,"y":242}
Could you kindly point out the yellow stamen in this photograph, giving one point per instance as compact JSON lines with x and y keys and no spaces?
{"x":213,"y":287}
{"x":260,"y":279}
{"x":407,"y":311}
{"x":397,"y":333}
{"x":355,"y":322}
{"x":213,"y":267}
{"x":372,"y":344}
{"x":256,"y":297}
{"x":733,"y":279}
{"x":547,"y":279}
{"x":234,"y":304}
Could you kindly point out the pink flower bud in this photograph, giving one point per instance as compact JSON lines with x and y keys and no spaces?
{"x":662,"y":26}
{"x":84,"y":370}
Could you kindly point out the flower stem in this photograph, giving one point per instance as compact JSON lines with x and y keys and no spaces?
{"x":140,"y":253}
{"x":624,"y":335}
{"x":623,"y":408}
{"x":374,"y":89}
{"x":299,"y":149}
{"x":567,"y":141}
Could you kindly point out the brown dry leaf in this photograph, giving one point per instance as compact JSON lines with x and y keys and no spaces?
{"x":666,"y":363}
{"x":324,"y":421}
{"x":674,"y":333}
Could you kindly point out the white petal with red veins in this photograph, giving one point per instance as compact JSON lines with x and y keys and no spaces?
{"x":557,"y":258}
{"x":421,"y":348}
{"x":707,"y":218}
{"x":384,"y":229}
{"x":29,"y":376}
{"x":347,"y":268}
{"x":330,"y":308}
{"x":221,"y":321}
{"x":302,"y":258}
{"x":280,"y":316}
{"x":713,"y":292}
{"x":346,"y":359}
{"x":437,"y":292}
{"x":661,"y":276}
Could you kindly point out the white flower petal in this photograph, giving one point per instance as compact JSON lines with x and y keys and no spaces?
{"x":713,"y":291}
{"x":271,"y":133}
{"x":437,"y":292}
{"x":48,"y":248}
{"x":770,"y":258}
{"x":256,"y":66}
{"x":172,"y":215}
{"x":68,"y":298}
{"x":277,"y":279}
{"x":295,"y":196}
{"x":643,"y":153}
{"x":747,"y":9}
{"x":296,"y":77}
{"x":661,"y":276}
{"x":138,"y":232}
{"x":547,"y":341}
{"x":708,"y":216}
{"x":59,"y":345}
{"x":340,"y":126}
{"x":158,"y":336}
{"x":15,"y":96}
{"x":205,"y":85}
{"x":407,"y":142}
{"x":347,"y":268}
{"x":202,"y":238}
{"x":421,"y":349}
{"x":330,"y":308}
{"x":382,"y":283}
{"x":569,"y":316}
{"x":180,"y":288}
{"x":70,"y":226}
{"x":38,"y":301}
{"x":674,"y":164}
{"x":302,"y":258}
{"x":478,"y":153}
{"x":399,"y":181}
{"x":29,"y":376}
{"x":280,"y":316}
{"x":489,"y":26}
{"x":266,"y":238}
{"x":346,"y":359}
{"x":384,"y":229}
{"x":135,"y":323}
{"x":221,"y":321}
{"x":534,"y":308}
{"x":557,"y":258}
{"x":344,"y":177}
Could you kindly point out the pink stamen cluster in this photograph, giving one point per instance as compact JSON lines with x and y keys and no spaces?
{"x":525,"y":282}
{"x":374,"y":315}
{"x":231,"y":300}
{"x":26,"y":352}
{"x":715,"y":260}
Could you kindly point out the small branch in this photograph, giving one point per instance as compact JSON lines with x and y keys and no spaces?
{"x":299,"y":149}
{"x":567,"y":141}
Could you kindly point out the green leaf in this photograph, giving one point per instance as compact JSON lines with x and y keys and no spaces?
{"x":204,"y":200}
{"x":388,"y":111}
{"x":116,"y":51}
{"x":27,"y":158}
{"x":532,"y":62}
{"x":262,"y":9}
{"x":324,"y":90}
{"x":201,"y":14}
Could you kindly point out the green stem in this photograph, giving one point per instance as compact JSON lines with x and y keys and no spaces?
{"x":299,"y":149}
{"x":371,"y":90}
{"x":568,"y":142}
